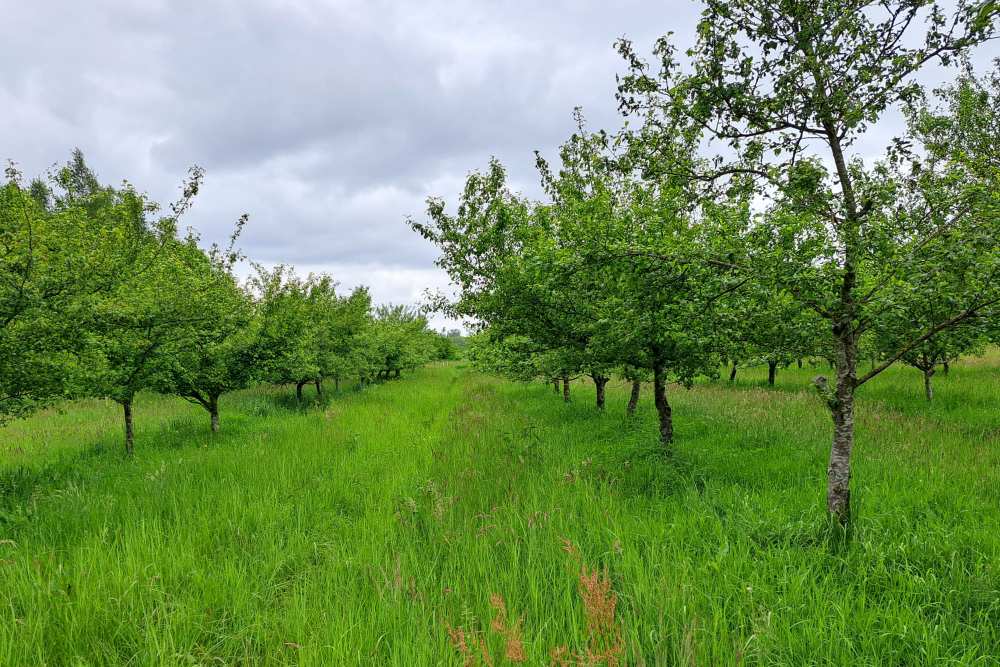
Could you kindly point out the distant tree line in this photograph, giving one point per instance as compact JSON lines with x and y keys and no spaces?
{"x":101,"y":296}
{"x":729,"y":223}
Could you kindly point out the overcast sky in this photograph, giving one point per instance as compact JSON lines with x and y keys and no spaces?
{"x":328,"y":121}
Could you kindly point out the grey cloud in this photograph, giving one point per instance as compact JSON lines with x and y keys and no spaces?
{"x":326,"y":121}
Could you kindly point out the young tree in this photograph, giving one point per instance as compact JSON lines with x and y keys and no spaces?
{"x":773,"y":80}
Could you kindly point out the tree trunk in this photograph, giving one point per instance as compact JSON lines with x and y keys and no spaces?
{"x":565,"y":390}
{"x":600,"y":381}
{"x":319,"y":388}
{"x":945,"y":367}
{"x":800,"y":363}
{"x":213,"y":409}
{"x":336,"y":384}
{"x":555,"y":383}
{"x":663,"y":409}
{"x":129,"y":433}
{"x":633,"y":400}
{"x":772,"y":368}
{"x":397,"y":372}
{"x":298,"y":391}
{"x":732,"y":375}
{"x":928,"y":389}
{"x":838,"y":492}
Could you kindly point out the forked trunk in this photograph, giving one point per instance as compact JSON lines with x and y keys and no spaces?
{"x":129,"y":434}
{"x":319,"y":388}
{"x":213,"y":409}
{"x":928,"y":389}
{"x":298,"y":390}
{"x":732,"y":375}
{"x":565,"y":390}
{"x":772,"y":369}
{"x":600,"y":381}
{"x":633,"y":400}
{"x":663,"y":409}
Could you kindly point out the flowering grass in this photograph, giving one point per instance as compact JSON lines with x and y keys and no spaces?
{"x":393,"y":525}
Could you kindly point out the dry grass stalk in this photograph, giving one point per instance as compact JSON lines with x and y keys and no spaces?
{"x":604,"y":641}
{"x":599,"y":601}
{"x":511,"y":633}
{"x":461,"y":643}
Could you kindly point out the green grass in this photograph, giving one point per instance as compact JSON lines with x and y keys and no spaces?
{"x":350,"y":531}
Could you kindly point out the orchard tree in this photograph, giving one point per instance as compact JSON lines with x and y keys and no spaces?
{"x":941,"y":349}
{"x":140,"y":327}
{"x":219,"y":353}
{"x":518,"y":276}
{"x":342,"y":321}
{"x":640,"y":245}
{"x":65,"y":243}
{"x":780,"y":83}
{"x":287,"y":350}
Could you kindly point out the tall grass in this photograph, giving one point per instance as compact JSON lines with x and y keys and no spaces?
{"x":368,"y":527}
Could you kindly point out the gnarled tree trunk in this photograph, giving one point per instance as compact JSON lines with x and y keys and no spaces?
{"x":633,"y":400}
{"x":663,"y":409}
{"x":566,"y":390}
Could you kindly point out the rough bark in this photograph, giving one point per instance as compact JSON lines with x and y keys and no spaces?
{"x":129,"y":433}
{"x":600,"y":381}
{"x":213,"y":409}
{"x":772,"y":369}
{"x":633,"y":400}
{"x":555,"y":383}
{"x":732,"y":375}
{"x":319,"y":388}
{"x":928,"y":389}
{"x":298,"y":390}
{"x":565,"y":390}
{"x":838,"y":494}
{"x":663,"y":409}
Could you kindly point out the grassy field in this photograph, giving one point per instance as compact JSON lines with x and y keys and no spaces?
{"x":374,"y":528}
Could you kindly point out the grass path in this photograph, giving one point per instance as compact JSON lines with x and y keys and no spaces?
{"x":358,"y":531}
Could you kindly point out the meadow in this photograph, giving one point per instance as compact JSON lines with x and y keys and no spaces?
{"x":451,"y":518}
